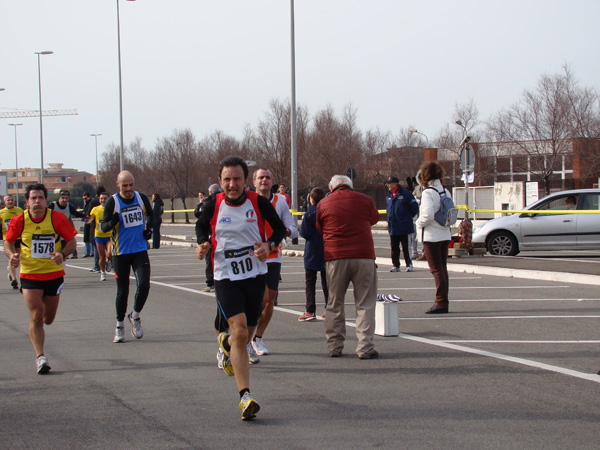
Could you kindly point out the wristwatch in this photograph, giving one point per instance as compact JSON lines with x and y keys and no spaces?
{"x":272,"y":245}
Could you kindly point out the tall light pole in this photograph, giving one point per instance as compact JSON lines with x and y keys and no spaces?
{"x":293,"y":113}
{"x":414,"y":130}
{"x":96,"y":138}
{"x":463,"y":146}
{"x":120,"y":85}
{"x":15,"y":125}
{"x":47,"y":52}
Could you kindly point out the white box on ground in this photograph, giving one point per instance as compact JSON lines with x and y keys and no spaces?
{"x":386,"y":319}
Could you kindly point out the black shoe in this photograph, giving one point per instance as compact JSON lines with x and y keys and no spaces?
{"x":74,"y":257}
{"x":437,"y":310}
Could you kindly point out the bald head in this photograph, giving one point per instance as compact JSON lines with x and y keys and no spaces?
{"x":125,"y":184}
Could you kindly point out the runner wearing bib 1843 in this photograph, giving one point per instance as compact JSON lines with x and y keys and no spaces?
{"x":129,"y":215}
{"x":40,"y":231}
{"x":240,"y":248}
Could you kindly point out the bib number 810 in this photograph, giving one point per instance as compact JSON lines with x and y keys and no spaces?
{"x":241,"y":266}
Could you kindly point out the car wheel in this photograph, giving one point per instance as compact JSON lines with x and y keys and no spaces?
{"x":503,"y":243}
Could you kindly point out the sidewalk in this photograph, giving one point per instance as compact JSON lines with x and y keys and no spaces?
{"x":577,"y":266}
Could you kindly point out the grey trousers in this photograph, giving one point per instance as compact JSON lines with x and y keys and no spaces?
{"x":363,"y":276}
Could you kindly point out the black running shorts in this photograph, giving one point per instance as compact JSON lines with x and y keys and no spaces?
{"x":273,"y":276}
{"x":51,"y":288}
{"x":242,"y":296}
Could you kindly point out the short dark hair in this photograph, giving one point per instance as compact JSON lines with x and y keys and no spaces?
{"x":99,"y":190}
{"x":36,"y":187}
{"x":317,"y":194}
{"x":85,"y":194}
{"x":232,"y":161}
{"x":157,"y":196}
{"x":65,"y":192}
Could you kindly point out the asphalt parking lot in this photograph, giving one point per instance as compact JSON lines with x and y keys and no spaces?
{"x":513,"y":365}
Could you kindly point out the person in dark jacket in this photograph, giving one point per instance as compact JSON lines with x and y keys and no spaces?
{"x":314,"y":256}
{"x":401,"y":206}
{"x":157,"y":210}
{"x":213,"y":190}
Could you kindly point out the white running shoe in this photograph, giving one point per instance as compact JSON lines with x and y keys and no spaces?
{"x":220,"y":358}
{"x":136,"y":327}
{"x":119,"y":335}
{"x":395,"y":269}
{"x":410,"y":268}
{"x":259,"y":346}
{"x":109,"y":265}
{"x":42,"y":365}
{"x":252,"y":356}
{"x":102,"y":276}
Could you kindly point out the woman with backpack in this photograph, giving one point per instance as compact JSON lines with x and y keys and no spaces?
{"x":434,"y":236}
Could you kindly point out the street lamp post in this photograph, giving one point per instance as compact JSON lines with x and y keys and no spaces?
{"x":15,"y":125}
{"x":120,"y":86}
{"x":463,"y":145}
{"x":96,"y":138}
{"x":293,"y":116}
{"x":41,"y":114}
{"x":414,"y":130}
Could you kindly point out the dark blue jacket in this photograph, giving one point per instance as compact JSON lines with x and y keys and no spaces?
{"x":400,"y":212}
{"x":314,"y":253}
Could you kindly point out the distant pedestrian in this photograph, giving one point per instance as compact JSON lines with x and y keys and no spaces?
{"x":6,"y":215}
{"x":314,"y":256}
{"x":345,"y":218}
{"x":401,"y":208}
{"x":69,"y":210}
{"x":435,"y":237}
{"x":157,"y":211}
{"x":88,"y":232}
{"x":285,"y":194}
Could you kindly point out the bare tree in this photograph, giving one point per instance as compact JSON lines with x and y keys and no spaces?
{"x":538,"y":126}
{"x":178,"y":157}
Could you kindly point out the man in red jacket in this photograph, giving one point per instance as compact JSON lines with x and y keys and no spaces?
{"x":345,"y":218}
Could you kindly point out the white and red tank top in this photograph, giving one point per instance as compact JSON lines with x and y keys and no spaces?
{"x":235,"y":229}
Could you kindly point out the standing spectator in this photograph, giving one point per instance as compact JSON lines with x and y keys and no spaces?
{"x":6,"y":215}
{"x":88,"y":233}
{"x":63,"y":206}
{"x":345,"y":218}
{"x":201,"y":200}
{"x":284,"y":194}
{"x":213,"y":190}
{"x":129,"y":215}
{"x":401,"y":207}
{"x":95,"y":202}
{"x":42,"y":233}
{"x":435,"y":237}
{"x":157,"y":211}
{"x":314,"y":256}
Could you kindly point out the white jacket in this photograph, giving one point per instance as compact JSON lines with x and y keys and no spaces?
{"x":428,"y":230}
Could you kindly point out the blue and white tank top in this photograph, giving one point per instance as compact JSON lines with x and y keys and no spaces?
{"x":128,"y":235}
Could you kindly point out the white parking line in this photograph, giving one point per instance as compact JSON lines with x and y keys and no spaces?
{"x":444,"y":317}
{"x":474,"y":341}
{"x":447,"y":344}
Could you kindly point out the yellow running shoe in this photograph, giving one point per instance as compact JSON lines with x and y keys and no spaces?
{"x":222,"y":339}
{"x":227,"y":367}
{"x":248,"y":407}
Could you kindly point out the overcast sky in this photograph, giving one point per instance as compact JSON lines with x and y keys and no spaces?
{"x":213,"y":65}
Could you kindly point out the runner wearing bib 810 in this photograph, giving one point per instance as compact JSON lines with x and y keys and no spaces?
{"x":240,"y":248}
{"x":40,"y":230}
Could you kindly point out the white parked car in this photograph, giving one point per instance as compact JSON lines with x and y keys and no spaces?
{"x":508,"y":235}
